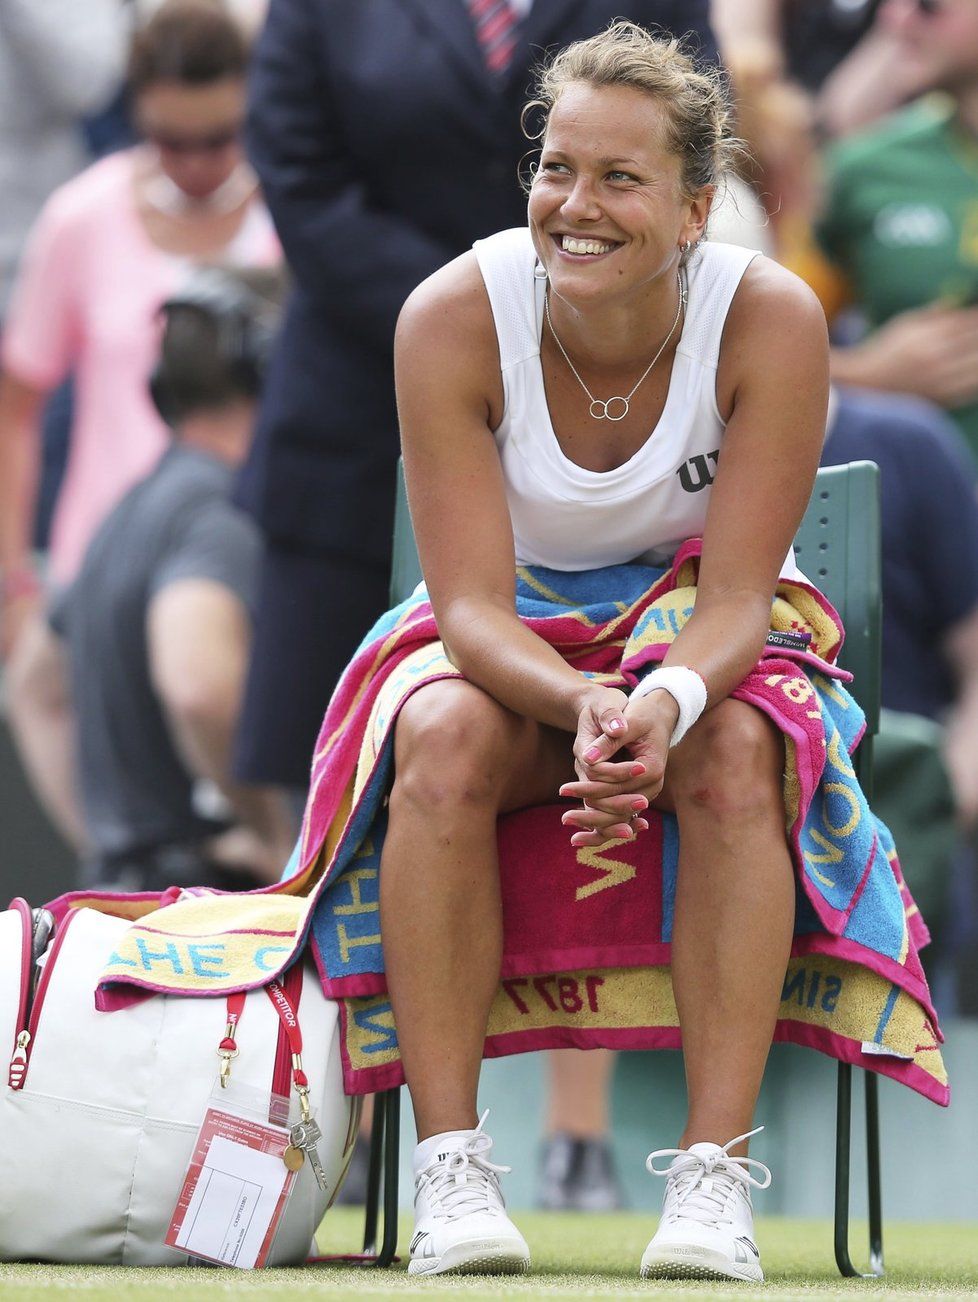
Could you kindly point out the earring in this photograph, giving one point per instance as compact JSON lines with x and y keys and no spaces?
{"x":686,"y":247}
{"x":540,"y":271}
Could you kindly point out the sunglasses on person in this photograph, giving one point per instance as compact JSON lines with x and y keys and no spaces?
{"x":213,"y":143}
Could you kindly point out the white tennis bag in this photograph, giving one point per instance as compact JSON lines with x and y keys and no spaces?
{"x":99,"y":1112}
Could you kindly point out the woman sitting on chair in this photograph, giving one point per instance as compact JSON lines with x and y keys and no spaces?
{"x":593,"y":390}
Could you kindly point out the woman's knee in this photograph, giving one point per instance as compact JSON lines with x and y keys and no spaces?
{"x":451,"y":747}
{"x":731,"y":765}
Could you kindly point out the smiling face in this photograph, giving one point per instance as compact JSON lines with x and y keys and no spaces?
{"x":607,"y":210}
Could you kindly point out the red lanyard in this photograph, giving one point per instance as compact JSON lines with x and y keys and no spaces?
{"x":228,"y":1048}
{"x":285,"y":1002}
{"x":290,"y":1024}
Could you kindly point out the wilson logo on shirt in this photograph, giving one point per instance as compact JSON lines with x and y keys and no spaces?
{"x":697,"y":472}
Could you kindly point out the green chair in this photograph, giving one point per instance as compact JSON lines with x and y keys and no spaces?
{"x":838,"y":547}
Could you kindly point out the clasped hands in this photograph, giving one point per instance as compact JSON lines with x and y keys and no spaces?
{"x":615,"y":792}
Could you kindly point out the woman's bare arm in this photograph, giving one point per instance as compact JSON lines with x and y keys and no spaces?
{"x":449,"y":395}
{"x":20,"y":412}
{"x":773,"y":380}
{"x":772,"y":384}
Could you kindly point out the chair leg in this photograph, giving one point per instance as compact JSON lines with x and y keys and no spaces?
{"x":374,"y":1161}
{"x":392,"y":1156}
{"x":385,"y":1138}
{"x":873,"y":1167}
{"x":843,"y":1149}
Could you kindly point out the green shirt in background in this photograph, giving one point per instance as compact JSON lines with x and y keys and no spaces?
{"x":901,"y":218}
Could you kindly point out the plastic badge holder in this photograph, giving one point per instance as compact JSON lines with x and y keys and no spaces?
{"x":237,"y":1183}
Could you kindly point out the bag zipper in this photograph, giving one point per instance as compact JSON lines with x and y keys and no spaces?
{"x":31,"y":1007}
{"x":18,"y":1060}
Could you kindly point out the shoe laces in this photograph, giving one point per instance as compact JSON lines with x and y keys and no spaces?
{"x":466,"y":1181}
{"x":699,"y":1185}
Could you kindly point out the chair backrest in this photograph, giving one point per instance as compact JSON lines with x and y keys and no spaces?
{"x":405,"y":566}
{"x":838,"y":547}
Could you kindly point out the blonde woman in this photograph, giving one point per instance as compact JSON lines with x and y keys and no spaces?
{"x":552,"y":387}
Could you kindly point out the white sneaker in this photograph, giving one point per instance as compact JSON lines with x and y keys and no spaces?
{"x":707,"y":1225}
{"x":460,"y":1221}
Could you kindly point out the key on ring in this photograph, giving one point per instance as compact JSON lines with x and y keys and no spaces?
{"x":305,"y":1135}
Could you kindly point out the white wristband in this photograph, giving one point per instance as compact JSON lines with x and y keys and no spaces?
{"x":686,"y":688}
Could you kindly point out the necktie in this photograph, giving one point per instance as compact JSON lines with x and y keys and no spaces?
{"x":495,"y":27}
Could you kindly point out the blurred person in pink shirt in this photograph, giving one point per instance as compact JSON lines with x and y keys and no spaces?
{"x":109,"y":247}
{"x":60,"y":62}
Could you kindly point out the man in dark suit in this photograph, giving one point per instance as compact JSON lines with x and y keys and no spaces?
{"x":385,"y":144}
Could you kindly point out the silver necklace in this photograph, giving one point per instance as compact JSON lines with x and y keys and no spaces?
{"x":600,"y":407}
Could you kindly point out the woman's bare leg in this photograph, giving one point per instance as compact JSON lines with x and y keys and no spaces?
{"x":735,"y":910}
{"x":42,"y":722}
{"x":460,"y":759}
{"x":580,"y":1084}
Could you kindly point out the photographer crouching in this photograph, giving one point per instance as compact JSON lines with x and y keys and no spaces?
{"x":156,"y":628}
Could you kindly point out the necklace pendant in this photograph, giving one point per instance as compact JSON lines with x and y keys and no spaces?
{"x":605,"y":409}
{"x":616,"y":407}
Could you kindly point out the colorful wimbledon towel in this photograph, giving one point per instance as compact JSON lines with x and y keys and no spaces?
{"x":586,"y":932}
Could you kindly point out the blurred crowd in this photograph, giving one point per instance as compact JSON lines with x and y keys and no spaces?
{"x":212,"y":213}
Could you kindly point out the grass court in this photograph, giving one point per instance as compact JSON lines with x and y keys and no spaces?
{"x":573,"y":1257}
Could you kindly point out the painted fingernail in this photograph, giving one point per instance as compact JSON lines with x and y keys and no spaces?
{"x":638,"y":770}
{"x":616,"y":725}
{"x":593,"y":754}
{"x":640,"y":803}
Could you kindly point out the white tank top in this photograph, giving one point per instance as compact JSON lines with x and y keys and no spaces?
{"x":568,"y":518}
